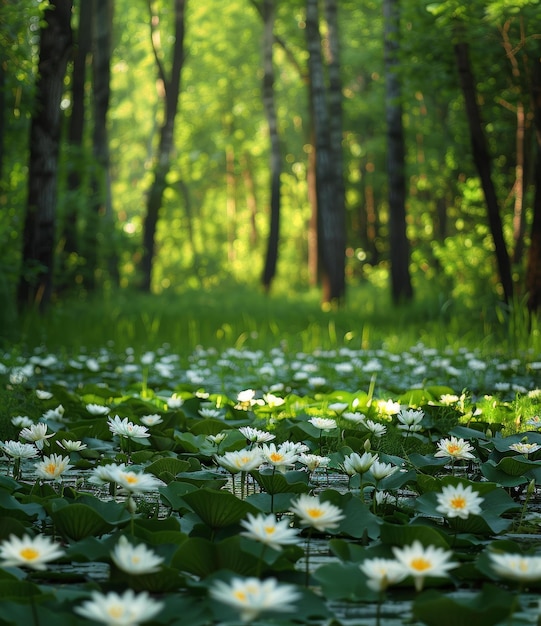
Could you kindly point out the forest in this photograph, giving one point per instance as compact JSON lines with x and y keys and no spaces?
{"x":156,"y":145}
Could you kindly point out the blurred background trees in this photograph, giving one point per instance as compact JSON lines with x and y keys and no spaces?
{"x":252,"y":166}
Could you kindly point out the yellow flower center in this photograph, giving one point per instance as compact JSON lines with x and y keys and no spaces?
{"x":135,"y":559}
{"x":29,"y":554}
{"x":50,"y":468}
{"x":453,"y":448}
{"x":239,"y":595}
{"x":131,"y":479}
{"x":420,"y":564}
{"x":458,"y":502}
{"x":269,"y":529}
{"x":276,"y":457}
{"x":314,"y":512}
{"x":116,"y":611}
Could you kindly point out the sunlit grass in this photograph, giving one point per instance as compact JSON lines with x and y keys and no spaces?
{"x":243,"y":317}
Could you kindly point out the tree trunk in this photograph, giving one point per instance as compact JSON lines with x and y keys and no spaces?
{"x":331,"y":218}
{"x":171,"y":88}
{"x":101,"y":213}
{"x":75,"y":137}
{"x":482,"y":162}
{"x":271,"y":257}
{"x":401,"y":287}
{"x":36,"y":276}
{"x":533,"y":272}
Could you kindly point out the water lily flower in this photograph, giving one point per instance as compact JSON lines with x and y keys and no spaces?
{"x":175,"y":402}
{"x":21,"y":421}
{"x":151,"y":420}
{"x":135,"y":559}
{"x":18,"y":450}
{"x":387,"y":407}
{"x":254,"y":435}
{"x":454,"y":448}
{"x":382,"y":572}
{"x":532,"y":421}
{"x":125,"y":428}
{"x":313,"y":461}
{"x":524,"y":448}
{"x":267,"y":530}
{"x":377,"y":429}
{"x":135,"y":482}
{"x":516,"y":566}
{"x":323,"y":423}
{"x":240,"y":460}
{"x":33,"y":552}
{"x":419,"y":561}
{"x":52,"y":467}
{"x":354,"y":416}
{"x":251,"y":596}
{"x":97,"y":409}
{"x":355,"y":463}
{"x":311,"y":511}
{"x":338,"y":407}
{"x":71,"y":446}
{"x":273,"y":401}
{"x":381,"y":470}
{"x":37,"y":433}
{"x":209,"y":412}
{"x":43,"y":395}
{"x":216,"y":439}
{"x":113,"y":609}
{"x":103,"y":474}
{"x":55,"y":414}
{"x":245,"y":399}
{"x":279,"y":457}
{"x":410,"y":420}
{"x":459,"y":501}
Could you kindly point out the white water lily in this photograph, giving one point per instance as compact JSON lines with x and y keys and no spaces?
{"x":268,"y":530}
{"x":97,"y":409}
{"x":37,"y":433}
{"x":419,"y":561}
{"x":410,"y":420}
{"x":135,"y":482}
{"x":355,"y":463}
{"x":381,"y":470}
{"x":127,"y":429}
{"x":135,"y":560}
{"x":382,"y":572}
{"x":52,"y":467}
{"x":524,"y":447}
{"x":251,"y":596}
{"x":516,"y":566}
{"x":313,"y":461}
{"x":279,"y":457}
{"x":254,"y":435}
{"x":33,"y":552}
{"x":18,"y":450}
{"x":151,"y":420}
{"x":113,"y":609}
{"x":21,"y":421}
{"x":71,"y":446}
{"x":323,"y":423}
{"x":240,"y":460}
{"x":454,"y":448}
{"x":377,"y":429}
{"x":311,"y":511}
{"x":458,"y":501}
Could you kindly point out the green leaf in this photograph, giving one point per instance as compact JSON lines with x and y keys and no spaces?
{"x":171,"y":465}
{"x":276,"y":482}
{"x":218,"y":509}
{"x":78,"y":521}
{"x":482,"y":609}
{"x":343,"y":581}
{"x":396,"y":535}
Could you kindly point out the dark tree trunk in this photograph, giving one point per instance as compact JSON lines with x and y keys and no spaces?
{"x":271,"y":257}
{"x":100,"y":217}
{"x":75,"y":134}
{"x":331,"y":218}
{"x":533,"y":272}
{"x":482,"y":162}
{"x":401,"y":287}
{"x":171,"y":88}
{"x":36,"y":276}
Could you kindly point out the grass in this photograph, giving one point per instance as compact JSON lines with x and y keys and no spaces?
{"x":243,"y":317}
